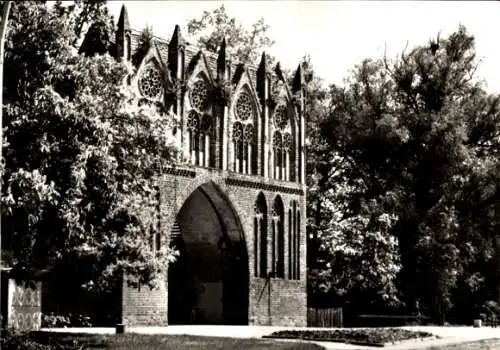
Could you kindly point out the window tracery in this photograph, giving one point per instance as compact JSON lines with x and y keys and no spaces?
{"x":198,"y":128}
{"x":198,"y":95}
{"x":237,"y":132}
{"x":287,"y":141}
{"x":248,"y":133}
{"x":283,"y":144}
{"x":193,"y":121}
{"x":281,"y":117}
{"x":244,"y":136}
{"x":277,"y":141}
{"x":150,"y":83}
{"x":244,"y":107}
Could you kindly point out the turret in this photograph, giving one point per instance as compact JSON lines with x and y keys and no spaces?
{"x":122,"y":36}
{"x":221,"y":62}
{"x":176,"y":49}
{"x":298,"y":92}
{"x":264,"y":138}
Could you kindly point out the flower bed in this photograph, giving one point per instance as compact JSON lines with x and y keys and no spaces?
{"x":364,"y":336}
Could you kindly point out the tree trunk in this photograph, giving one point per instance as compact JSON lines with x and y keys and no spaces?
{"x":497,"y":240}
{"x":3,"y":29}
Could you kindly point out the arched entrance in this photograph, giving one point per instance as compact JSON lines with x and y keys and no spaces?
{"x":208,"y":283}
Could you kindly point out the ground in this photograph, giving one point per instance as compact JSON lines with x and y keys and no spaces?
{"x":449,"y":337}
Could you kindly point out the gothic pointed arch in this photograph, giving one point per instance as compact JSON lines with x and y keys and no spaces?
{"x":200,"y":121}
{"x":152,"y":79}
{"x":244,"y":131}
{"x":208,"y":283}
{"x":197,"y":65}
{"x":260,"y":236}
{"x":293,"y":240}
{"x":284,"y":141}
{"x":278,"y":238}
{"x":245,"y":110}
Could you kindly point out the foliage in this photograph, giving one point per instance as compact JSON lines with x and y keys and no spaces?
{"x":81,"y":15}
{"x":14,"y":340}
{"x":368,"y":336}
{"x":144,"y":44}
{"x":62,"y":321}
{"x":412,"y":170}
{"x":80,"y":157}
{"x":245,"y":45}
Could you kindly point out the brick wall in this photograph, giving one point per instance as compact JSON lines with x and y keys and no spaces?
{"x":144,"y":306}
{"x":273,"y":301}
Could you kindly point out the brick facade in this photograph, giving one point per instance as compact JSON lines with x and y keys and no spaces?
{"x":233,"y":169}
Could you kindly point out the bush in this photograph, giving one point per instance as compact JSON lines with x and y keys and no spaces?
{"x":16,"y":340}
{"x":491,"y":313}
{"x":62,"y":321}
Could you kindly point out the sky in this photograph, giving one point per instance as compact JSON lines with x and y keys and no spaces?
{"x":339,"y":34}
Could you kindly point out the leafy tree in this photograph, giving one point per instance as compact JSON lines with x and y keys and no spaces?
{"x":83,"y":16}
{"x":246,"y":45}
{"x":80,"y":158}
{"x":413,"y":138}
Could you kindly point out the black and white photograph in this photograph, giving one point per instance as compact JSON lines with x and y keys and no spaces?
{"x":268,"y":174}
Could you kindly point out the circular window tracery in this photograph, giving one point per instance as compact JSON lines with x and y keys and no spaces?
{"x":281,"y":117}
{"x":150,"y":83}
{"x":277,"y":142}
{"x":193,"y":121}
{"x":237,"y":132}
{"x":199,"y":95}
{"x":244,"y":106}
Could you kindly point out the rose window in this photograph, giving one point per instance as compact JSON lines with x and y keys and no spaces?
{"x":150,"y":83}
{"x":199,"y":95}
{"x":281,"y":117}
{"x":248,"y":133}
{"x":244,"y":106}
{"x":277,"y":142}
{"x":193,"y":121}
{"x":237,"y":132}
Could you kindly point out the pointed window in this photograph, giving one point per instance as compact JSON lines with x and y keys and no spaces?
{"x":277,"y":153}
{"x":297,"y":246}
{"x":199,"y":137}
{"x":293,"y":241}
{"x":283,"y":145}
{"x":278,"y":239}
{"x":244,"y":149}
{"x":260,"y":237}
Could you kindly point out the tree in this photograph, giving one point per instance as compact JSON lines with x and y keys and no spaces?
{"x":245,"y":45}
{"x":413,"y":137}
{"x":80,"y":158}
{"x":82,"y":16}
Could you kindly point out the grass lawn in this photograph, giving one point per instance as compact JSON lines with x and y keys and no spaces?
{"x":364,"y":336}
{"x":131,"y":341}
{"x":487,"y":344}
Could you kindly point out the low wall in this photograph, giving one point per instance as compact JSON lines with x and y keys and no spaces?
{"x":21,"y":304}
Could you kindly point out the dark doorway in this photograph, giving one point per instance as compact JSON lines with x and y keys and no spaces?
{"x":208,"y":283}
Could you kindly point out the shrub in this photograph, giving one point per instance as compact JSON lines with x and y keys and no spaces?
{"x":15,"y":340}
{"x":62,"y":321}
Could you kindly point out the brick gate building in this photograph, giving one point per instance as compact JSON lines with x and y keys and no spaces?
{"x":236,"y":207}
